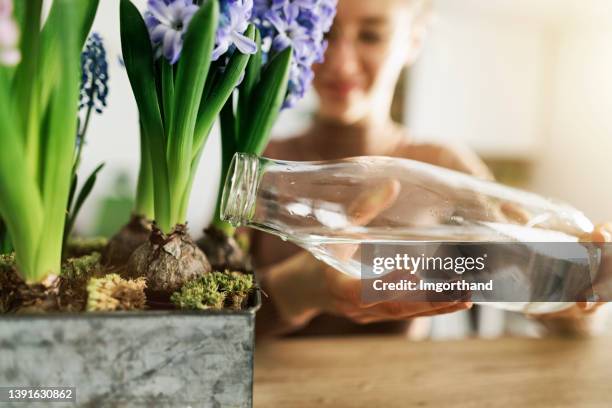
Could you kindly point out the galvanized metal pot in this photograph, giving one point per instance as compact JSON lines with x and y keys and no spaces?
{"x":144,"y":359}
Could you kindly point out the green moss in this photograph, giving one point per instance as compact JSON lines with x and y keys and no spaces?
{"x":112,"y":292}
{"x":214,"y":291}
{"x":200,"y":294}
{"x":237,"y":287}
{"x":82,"y":268}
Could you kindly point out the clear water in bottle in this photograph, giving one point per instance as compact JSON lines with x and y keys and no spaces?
{"x":333,"y":209}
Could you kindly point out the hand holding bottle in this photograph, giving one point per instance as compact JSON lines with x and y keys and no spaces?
{"x":602,"y":286}
{"x":302,"y":287}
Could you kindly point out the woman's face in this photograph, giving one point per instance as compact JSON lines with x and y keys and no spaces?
{"x":369,"y":44}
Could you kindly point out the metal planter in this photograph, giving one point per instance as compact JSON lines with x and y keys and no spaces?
{"x":144,"y":359}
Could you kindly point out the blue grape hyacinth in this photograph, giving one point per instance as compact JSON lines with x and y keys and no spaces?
{"x":94,"y":80}
{"x":94,"y":84}
{"x":301,"y":24}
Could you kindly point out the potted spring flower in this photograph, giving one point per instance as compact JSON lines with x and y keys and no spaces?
{"x":39,"y":92}
{"x":189,"y":64}
{"x":176,"y":115}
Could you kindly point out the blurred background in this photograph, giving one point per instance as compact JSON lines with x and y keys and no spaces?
{"x":526,"y":84}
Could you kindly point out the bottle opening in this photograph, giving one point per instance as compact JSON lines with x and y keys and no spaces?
{"x":240,"y":189}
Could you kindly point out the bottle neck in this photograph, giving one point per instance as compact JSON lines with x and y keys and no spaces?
{"x":240,"y":190}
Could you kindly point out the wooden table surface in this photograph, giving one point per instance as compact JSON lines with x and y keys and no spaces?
{"x":391,"y":372}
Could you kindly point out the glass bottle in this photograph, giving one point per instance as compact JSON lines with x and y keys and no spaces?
{"x":312,"y":204}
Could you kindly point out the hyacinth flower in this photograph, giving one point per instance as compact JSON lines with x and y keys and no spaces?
{"x":291,"y":34}
{"x":188,"y":62}
{"x":167,"y":22}
{"x":38,"y":127}
{"x":92,"y":98}
{"x":233,"y":23}
{"x":301,"y":24}
{"x":179,"y":90}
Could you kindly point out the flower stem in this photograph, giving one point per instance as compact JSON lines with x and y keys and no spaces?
{"x":81,"y":140}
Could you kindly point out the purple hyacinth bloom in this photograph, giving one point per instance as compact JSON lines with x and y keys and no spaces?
{"x":167,"y":21}
{"x":233,"y":22}
{"x":9,"y":35}
{"x":301,"y":24}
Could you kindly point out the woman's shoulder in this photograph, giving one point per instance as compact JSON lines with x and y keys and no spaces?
{"x":453,"y":156}
{"x":285,"y":149}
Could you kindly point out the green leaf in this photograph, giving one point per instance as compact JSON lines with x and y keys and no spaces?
{"x":167,"y":85}
{"x":45,"y":130}
{"x":88,"y":186}
{"x":25,"y":94}
{"x":184,"y":199}
{"x":20,"y":206}
{"x":216,"y":69}
{"x":251,"y":78}
{"x":84,"y":13}
{"x":228,"y":150}
{"x":86,"y":10}
{"x":19,"y":12}
{"x":86,"y":190}
{"x":193,"y":68}
{"x":220,"y":93}
{"x":228,"y":132}
{"x":73,"y":187}
{"x":265,"y":104}
{"x":58,"y":154}
{"x":138,"y":58}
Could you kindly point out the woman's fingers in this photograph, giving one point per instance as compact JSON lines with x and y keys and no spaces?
{"x":404,"y":311}
{"x":407,"y":309}
{"x":589,"y":307}
{"x":578,"y":311}
{"x":515,"y":214}
{"x":368,"y":205}
{"x":602,"y":233}
{"x":602,"y":284}
{"x":451,"y":309}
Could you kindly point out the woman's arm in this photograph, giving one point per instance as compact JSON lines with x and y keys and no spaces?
{"x":452,"y":157}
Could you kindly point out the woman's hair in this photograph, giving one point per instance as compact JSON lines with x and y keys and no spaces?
{"x":422,"y":13}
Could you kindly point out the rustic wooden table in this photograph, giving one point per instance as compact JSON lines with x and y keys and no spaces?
{"x":390,"y":372}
